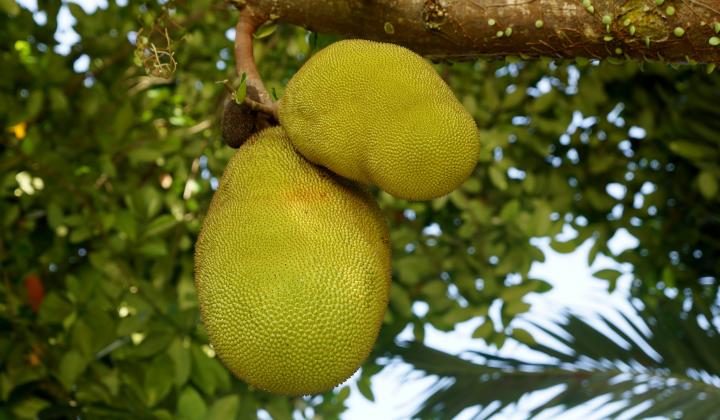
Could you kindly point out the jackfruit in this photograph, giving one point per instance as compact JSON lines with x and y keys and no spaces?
{"x":292,"y":270}
{"x":379,"y":114}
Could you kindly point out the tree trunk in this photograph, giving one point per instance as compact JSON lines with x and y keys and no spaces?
{"x":672,"y":31}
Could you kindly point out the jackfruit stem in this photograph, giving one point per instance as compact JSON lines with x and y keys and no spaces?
{"x":257,"y":96}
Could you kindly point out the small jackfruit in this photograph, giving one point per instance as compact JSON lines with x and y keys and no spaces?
{"x":379,"y":114}
{"x":239,"y":122}
{"x":292,"y":270}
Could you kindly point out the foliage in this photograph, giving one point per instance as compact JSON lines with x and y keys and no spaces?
{"x":106,"y":172}
{"x":665,"y":367}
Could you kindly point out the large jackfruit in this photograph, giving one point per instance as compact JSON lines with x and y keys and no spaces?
{"x":292,"y":270}
{"x":379,"y":114}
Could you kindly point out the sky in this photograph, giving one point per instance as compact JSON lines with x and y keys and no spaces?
{"x":398,"y":387}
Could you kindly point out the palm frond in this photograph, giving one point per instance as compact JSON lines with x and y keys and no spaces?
{"x":671,"y":368}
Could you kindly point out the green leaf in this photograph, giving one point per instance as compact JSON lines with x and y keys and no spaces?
{"x":202,"y":371}
{"x":225,"y":408}
{"x":434,"y":289}
{"x":523,"y":336}
{"x":412,"y":269}
{"x":610,"y":275}
{"x":365,"y":387}
{"x":10,"y":7}
{"x":564,"y":247}
{"x":190,"y":405}
{"x":598,"y":245}
{"x":54,"y":215}
{"x":248,"y":407}
{"x":708,"y":184}
{"x":510,"y":210}
{"x":490,"y":97}
{"x":180,"y":356}
{"x":514,"y":99}
{"x":158,"y":379}
{"x":54,"y":309}
{"x":279,"y":409}
{"x":82,"y":339}
{"x":241,"y":91}
{"x":72,"y":365}
{"x":601,"y":163}
{"x":160,"y":225}
{"x":693,"y":150}
{"x":514,"y":293}
{"x":485,"y":330}
{"x":265,"y":31}
{"x":153,"y":248}
{"x":400,"y":301}
{"x":34,"y":104}
{"x":144,"y":155}
{"x":28,"y":408}
{"x":497,"y":177}
{"x":124,"y":119}
{"x":515,"y":308}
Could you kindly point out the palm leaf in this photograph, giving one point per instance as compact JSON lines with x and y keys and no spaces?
{"x":668,"y":368}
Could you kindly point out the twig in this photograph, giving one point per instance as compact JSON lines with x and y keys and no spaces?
{"x":257,"y":96}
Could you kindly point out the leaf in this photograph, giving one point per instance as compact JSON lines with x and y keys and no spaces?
{"x":82,"y":339}
{"x":144,"y":155}
{"x":593,"y":366}
{"x":224,"y":409}
{"x":434,"y":289}
{"x":484,"y":330}
{"x":490,"y":98}
{"x":160,"y":225}
{"x":523,"y":336}
{"x":72,"y":365}
{"x":154,"y":248}
{"x":180,"y":356}
{"x":400,"y":301}
{"x":54,"y":215}
{"x":598,"y":245}
{"x":497,"y":177}
{"x":564,"y":247}
{"x":54,"y":309}
{"x":610,"y":275}
{"x":190,"y":405}
{"x":241,"y":90}
{"x":202,"y":371}
{"x":601,"y":163}
{"x":693,"y":150}
{"x":28,"y":408}
{"x":265,"y":31}
{"x":411,"y":269}
{"x":515,"y":308}
{"x":364,"y":387}
{"x":514,"y":99}
{"x":158,"y":379}
{"x":510,"y":210}
{"x":11,"y":8}
{"x":279,"y":409}
{"x":708,"y":184}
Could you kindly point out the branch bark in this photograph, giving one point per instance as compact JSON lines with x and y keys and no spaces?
{"x":257,"y":96}
{"x":676,"y":31}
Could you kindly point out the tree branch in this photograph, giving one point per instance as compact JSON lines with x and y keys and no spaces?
{"x":675,"y":31}
{"x":257,"y":96}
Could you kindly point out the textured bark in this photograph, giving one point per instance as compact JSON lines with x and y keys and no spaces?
{"x":675,"y":31}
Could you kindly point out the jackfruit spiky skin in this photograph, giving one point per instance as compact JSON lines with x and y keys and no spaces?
{"x":379,"y":114}
{"x":292,"y":270}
